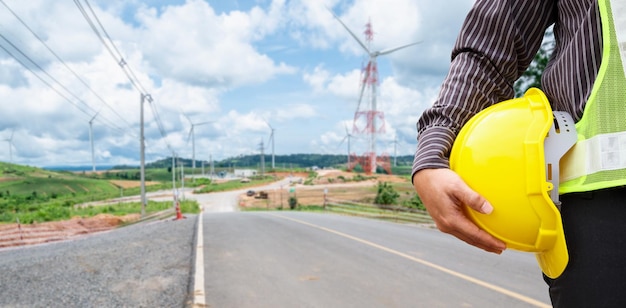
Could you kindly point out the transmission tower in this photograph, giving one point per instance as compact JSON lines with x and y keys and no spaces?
{"x":370,"y":120}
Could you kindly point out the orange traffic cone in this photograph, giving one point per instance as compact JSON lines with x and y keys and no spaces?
{"x":179,"y":215}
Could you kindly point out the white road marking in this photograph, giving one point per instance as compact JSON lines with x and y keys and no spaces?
{"x":199,"y":298}
{"x":479,"y":282}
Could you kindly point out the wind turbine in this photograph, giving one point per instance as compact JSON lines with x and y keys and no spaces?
{"x":271,"y":139}
{"x":347,"y":137}
{"x":193,"y":141}
{"x":10,"y":141}
{"x":93,"y":160}
{"x":395,"y":150}
{"x":262,"y":149}
{"x":371,"y":79}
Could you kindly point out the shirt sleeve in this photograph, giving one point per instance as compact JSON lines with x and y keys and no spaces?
{"x":496,"y":43}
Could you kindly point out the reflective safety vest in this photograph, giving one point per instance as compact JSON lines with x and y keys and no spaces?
{"x":598,"y":160}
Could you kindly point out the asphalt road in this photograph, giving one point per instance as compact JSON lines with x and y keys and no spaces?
{"x":293,"y":259}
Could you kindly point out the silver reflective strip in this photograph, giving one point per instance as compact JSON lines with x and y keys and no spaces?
{"x":599,"y":153}
{"x":618,"y":10}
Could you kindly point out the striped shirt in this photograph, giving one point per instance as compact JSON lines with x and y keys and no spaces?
{"x":496,"y":44}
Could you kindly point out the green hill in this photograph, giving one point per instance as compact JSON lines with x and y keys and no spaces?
{"x":30,"y":193}
{"x":31,"y":182}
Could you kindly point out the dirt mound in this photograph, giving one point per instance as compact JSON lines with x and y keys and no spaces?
{"x":19,"y":235}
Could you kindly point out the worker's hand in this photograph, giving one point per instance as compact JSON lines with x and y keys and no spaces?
{"x":443,"y":193}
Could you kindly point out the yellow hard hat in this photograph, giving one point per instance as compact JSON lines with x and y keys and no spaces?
{"x":509,"y":153}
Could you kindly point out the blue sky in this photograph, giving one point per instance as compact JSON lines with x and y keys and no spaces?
{"x":239,"y":65}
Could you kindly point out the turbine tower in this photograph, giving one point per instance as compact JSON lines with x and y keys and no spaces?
{"x":395,"y":150}
{"x":262,"y":149}
{"x":192,"y":135}
{"x":271,"y":139}
{"x":93,"y":160}
{"x":10,"y":141}
{"x":347,"y":137}
{"x":370,"y":80}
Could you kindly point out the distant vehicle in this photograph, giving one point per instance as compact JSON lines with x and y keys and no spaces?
{"x":250,"y":193}
{"x":245,"y":180}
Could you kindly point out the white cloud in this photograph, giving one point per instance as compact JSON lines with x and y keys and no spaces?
{"x":235,"y":67}
{"x":193,"y":44}
{"x":317,"y":79}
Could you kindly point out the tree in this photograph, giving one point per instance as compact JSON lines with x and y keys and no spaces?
{"x":532,"y":76}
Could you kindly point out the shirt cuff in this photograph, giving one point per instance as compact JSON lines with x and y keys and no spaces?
{"x":433,"y":150}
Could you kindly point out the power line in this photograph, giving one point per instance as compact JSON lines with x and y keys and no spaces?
{"x":63,"y":62}
{"x":118,"y":57}
{"x":42,"y":80}
{"x":143,"y":89}
{"x":111,"y":124}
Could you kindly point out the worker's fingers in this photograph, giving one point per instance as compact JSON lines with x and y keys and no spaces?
{"x":444,"y":194}
{"x":468,"y":232}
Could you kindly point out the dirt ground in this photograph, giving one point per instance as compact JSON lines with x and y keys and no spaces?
{"x":334,"y":183}
{"x":130,"y":184}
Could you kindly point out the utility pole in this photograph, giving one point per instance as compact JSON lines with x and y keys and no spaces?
{"x":93,"y":160}
{"x":173,"y":171}
{"x":142,"y":169}
{"x":182,"y":179}
{"x":174,"y":179}
{"x":212,"y":165}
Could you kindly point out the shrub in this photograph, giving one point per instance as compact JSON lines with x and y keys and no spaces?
{"x":415,"y":202}
{"x":386,"y":194}
{"x":293,"y":202}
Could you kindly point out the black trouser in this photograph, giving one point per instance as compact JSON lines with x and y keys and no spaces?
{"x":595,"y":232}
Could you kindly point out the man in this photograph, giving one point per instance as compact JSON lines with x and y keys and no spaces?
{"x":496,"y":44}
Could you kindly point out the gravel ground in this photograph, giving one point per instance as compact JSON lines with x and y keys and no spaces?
{"x":144,"y":265}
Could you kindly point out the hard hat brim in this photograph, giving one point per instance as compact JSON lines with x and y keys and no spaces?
{"x":554,"y":261}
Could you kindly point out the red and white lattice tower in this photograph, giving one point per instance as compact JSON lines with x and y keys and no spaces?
{"x":370,"y":120}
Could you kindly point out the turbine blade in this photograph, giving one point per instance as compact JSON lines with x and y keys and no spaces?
{"x":342,"y":140}
{"x":351,"y":33}
{"x":188,"y":119}
{"x":388,"y":51}
{"x":90,"y":121}
{"x":364,"y":81}
{"x":268,"y":123}
{"x":203,"y":123}
{"x":190,"y":132}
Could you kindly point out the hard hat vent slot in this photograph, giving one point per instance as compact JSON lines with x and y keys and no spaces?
{"x":549,"y":171}
{"x":557,"y":128}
